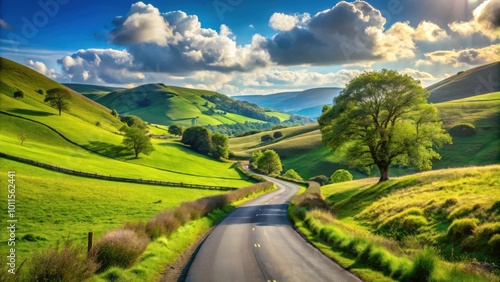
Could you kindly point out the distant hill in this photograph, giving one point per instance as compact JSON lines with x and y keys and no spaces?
{"x":91,"y":91}
{"x":163,"y":104}
{"x":307,"y":103}
{"x":475,"y":81}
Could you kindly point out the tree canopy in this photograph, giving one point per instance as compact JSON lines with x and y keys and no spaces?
{"x":266,"y":162}
{"x":199,"y":138}
{"x":220,"y":146}
{"x":383,"y":118}
{"x":174,"y":129}
{"x":58,"y":98}
{"x":135,"y":139}
{"x":19,"y":94}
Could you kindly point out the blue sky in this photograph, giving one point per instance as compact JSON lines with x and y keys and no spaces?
{"x":247,"y":47}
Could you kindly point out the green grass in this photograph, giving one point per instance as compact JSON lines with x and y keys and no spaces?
{"x":441,"y":198}
{"x":302,"y":149}
{"x":183,"y":164}
{"x":449,"y":219}
{"x":169,"y":105}
{"x":282,"y":116}
{"x":54,"y":206}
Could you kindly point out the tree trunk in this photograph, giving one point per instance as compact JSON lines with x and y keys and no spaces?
{"x":384,"y":172}
{"x":59,"y":111}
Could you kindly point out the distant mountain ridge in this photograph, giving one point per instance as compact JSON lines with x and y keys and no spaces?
{"x":307,"y":103}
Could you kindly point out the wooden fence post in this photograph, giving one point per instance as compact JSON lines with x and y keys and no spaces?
{"x":90,"y":241}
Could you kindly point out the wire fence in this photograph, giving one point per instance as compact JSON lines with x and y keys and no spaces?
{"x":115,"y":178}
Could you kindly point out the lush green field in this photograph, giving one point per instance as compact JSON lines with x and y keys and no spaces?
{"x":170,"y":162}
{"x":282,"y":116}
{"x":54,"y":206}
{"x":444,"y":224}
{"x":168,"y":105}
{"x":302,"y":149}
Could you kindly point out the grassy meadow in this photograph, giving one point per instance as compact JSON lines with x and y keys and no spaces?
{"x":53,"y":206}
{"x":385,"y":226}
{"x":301,"y":147}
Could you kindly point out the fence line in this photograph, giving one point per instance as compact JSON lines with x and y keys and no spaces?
{"x":115,"y":178}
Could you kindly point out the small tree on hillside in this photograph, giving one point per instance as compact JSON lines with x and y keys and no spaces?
{"x":341,"y":175}
{"x":266,"y":138}
{"x":58,"y":98}
{"x":114,"y":113}
{"x":292,"y":174}
{"x":40,"y":91}
{"x":220,"y":146}
{"x":136,"y":140}
{"x":176,"y":130}
{"x":18,"y":94}
{"x":22,"y":136}
{"x":277,"y":134}
{"x":383,"y":118}
{"x":270,"y":162}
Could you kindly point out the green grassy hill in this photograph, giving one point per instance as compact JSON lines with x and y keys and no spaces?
{"x":475,"y":81}
{"x":443,"y":225}
{"x":161,"y":104}
{"x":302,"y":149}
{"x":91,"y":91}
{"x":54,"y":207}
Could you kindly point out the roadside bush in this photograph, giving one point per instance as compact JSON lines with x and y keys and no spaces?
{"x":341,"y":175}
{"x":68,"y":263}
{"x":292,"y":174}
{"x":462,"y":130}
{"x":423,"y":266}
{"x":321,"y":179}
{"x":119,"y":248}
{"x":461,"y":228}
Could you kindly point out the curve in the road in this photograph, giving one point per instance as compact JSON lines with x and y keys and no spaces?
{"x":257,"y":242}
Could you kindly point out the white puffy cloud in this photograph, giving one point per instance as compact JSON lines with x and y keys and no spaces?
{"x":428,"y":31}
{"x":42,"y":68}
{"x":471,"y":56}
{"x":486,"y":20}
{"x":175,"y":42}
{"x":100,"y":65}
{"x":345,"y":34}
{"x":283,"y":22}
{"x":416,"y":74}
{"x":143,"y":24}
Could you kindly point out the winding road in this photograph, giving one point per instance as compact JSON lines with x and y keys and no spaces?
{"x":256,"y":242}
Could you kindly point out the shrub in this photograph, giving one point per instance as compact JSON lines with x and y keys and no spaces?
{"x":40,"y":91}
{"x":292,"y":174}
{"x":461,"y":228}
{"x":277,"y":134}
{"x":413,"y":222}
{"x":68,"y":263}
{"x":462,"y":130}
{"x":19,"y":94}
{"x":423,"y":266}
{"x":119,"y":248}
{"x":114,"y":113}
{"x":321,"y":179}
{"x":494,"y":244}
{"x":98,"y":123}
{"x":267,"y":138}
{"x":341,"y":175}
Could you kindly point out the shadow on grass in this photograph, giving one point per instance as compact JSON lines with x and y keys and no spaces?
{"x":110,"y":150}
{"x":31,"y":112}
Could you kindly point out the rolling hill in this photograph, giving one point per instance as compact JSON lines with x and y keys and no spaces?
{"x":301,"y":147}
{"x":480,"y":80}
{"x":162,"y":104}
{"x":307,"y":103}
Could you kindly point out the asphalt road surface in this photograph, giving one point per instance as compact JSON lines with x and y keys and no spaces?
{"x":256,"y":242}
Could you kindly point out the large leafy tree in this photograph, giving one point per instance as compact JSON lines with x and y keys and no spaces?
{"x":383,"y":118}
{"x":135,"y":139}
{"x":199,"y":138}
{"x":270,"y":162}
{"x":58,"y":98}
{"x":220,"y":146}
